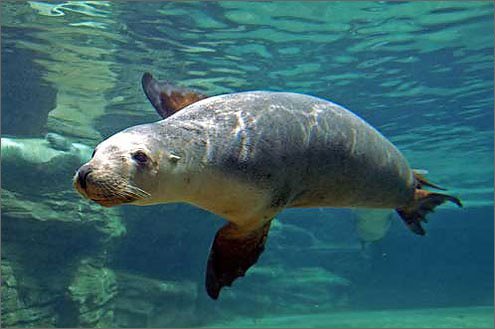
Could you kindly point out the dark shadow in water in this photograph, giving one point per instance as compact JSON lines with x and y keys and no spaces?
{"x":26,"y":98}
{"x":451,"y":266}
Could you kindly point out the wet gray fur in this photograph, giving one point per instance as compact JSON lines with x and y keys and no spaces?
{"x":308,"y":151}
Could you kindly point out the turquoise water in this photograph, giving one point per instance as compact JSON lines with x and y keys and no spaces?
{"x":420,"y":72}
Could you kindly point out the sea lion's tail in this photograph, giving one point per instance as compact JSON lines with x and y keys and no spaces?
{"x":424,"y":202}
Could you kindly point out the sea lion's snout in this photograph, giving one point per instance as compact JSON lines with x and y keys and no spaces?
{"x":106,"y":187}
{"x":82,"y":181}
{"x":82,"y":174}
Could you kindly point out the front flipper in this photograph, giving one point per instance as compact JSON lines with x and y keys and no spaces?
{"x":232,"y":253}
{"x":166,"y":97}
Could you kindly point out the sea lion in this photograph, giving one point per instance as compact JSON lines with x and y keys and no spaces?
{"x":372,"y":224}
{"x":247,"y":156}
{"x":39,"y":150}
{"x":59,"y":142}
{"x":36,"y":164}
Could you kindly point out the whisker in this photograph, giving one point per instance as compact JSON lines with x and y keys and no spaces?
{"x":125,"y":192}
{"x":138,"y":191}
{"x":109,"y":188}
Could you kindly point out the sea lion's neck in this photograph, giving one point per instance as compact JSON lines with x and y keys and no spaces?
{"x":182,"y":160}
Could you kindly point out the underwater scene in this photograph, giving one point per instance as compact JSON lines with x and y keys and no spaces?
{"x":75,"y":73}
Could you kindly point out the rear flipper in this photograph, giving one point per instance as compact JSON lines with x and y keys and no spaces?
{"x":422,"y":181}
{"x":232,"y":253}
{"x":424,"y":203}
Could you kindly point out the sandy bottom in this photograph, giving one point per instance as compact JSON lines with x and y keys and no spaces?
{"x":470,"y":317}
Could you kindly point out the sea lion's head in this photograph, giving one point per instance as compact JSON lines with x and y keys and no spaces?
{"x":123,"y":169}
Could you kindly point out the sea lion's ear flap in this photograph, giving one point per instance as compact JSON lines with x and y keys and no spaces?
{"x":232,"y":253}
{"x":166,"y":97}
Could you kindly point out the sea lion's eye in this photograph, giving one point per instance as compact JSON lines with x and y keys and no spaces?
{"x":140,"y":157}
{"x":93,"y":155}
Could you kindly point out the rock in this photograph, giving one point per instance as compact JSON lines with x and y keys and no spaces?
{"x":17,"y":310}
{"x":45,"y":239}
{"x":92,"y":292}
{"x":148,"y":302}
{"x":283,"y":289}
